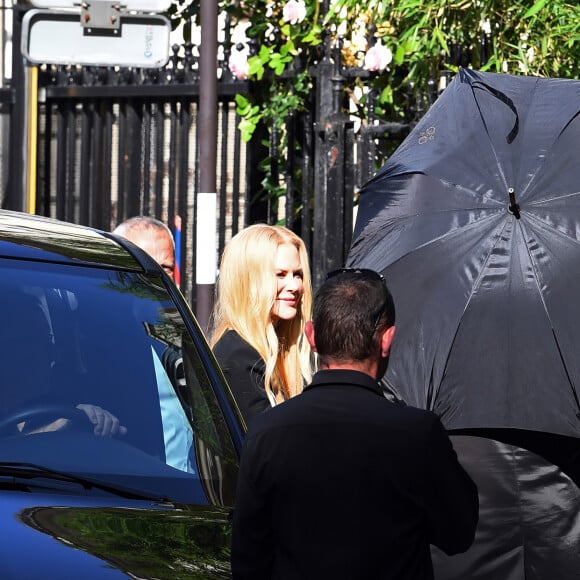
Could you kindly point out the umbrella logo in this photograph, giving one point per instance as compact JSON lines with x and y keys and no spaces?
{"x":427,"y":135}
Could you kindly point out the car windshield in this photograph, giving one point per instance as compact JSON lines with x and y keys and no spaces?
{"x":80,"y":342}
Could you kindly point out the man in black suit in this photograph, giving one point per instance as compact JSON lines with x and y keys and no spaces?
{"x":339,"y":482}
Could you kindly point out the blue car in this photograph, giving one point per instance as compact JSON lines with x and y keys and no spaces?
{"x":119,"y":438}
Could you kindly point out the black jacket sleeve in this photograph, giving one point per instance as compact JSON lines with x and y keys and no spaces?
{"x":450,"y":500}
{"x":244,"y":371}
{"x":253,"y":539}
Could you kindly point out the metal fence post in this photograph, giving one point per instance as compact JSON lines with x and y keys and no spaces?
{"x":15,"y":195}
{"x":206,"y":240}
{"x":333,"y":170}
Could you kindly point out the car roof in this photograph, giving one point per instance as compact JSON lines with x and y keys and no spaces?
{"x":32,"y":237}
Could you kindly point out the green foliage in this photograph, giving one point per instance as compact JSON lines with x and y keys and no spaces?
{"x":426,"y":38}
{"x":250,"y":116}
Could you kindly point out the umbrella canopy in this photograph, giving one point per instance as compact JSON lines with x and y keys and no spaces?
{"x":528,"y":528}
{"x":475,"y":223}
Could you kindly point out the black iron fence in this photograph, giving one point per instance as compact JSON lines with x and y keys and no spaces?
{"x":7,"y":101}
{"x":113,"y":143}
{"x":117,"y":142}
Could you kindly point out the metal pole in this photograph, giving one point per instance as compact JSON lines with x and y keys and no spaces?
{"x":32,"y":140}
{"x":206,"y":227}
{"x":16,"y":187}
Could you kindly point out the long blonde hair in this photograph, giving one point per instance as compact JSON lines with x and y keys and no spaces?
{"x":246,"y":294}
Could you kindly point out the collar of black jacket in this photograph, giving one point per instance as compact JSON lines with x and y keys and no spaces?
{"x":345,"y":377}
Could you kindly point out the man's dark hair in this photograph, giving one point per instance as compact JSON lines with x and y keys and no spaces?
{"x":350,"y":309}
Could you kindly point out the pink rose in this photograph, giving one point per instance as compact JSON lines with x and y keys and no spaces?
{"x":294,"y":11}
{"x":238,"y":64}
{"x":377,"y":58}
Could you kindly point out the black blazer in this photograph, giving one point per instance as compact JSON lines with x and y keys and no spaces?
{"x":340,"y":483}
{"x":244,"y":370}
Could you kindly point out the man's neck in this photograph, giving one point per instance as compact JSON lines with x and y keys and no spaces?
{"x":368,"y":367}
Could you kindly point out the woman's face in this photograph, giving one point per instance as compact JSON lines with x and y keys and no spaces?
{"x":290,"y":283}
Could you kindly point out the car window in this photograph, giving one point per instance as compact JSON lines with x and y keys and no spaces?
{"x":114,"y":343}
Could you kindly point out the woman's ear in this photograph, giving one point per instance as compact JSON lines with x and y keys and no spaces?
{"x":309,"y":331}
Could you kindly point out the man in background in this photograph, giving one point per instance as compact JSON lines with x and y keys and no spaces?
{"x":152,"y":236}
{"x":155,"y":238}
{"x":339,"y":482}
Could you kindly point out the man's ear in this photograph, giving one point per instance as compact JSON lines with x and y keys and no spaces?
{"x":387,"y":340}
{"x":309,"y":331}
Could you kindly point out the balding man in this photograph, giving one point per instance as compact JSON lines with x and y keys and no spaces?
{"x":152,"y":236}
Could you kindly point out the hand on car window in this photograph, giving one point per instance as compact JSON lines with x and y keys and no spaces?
{"x":106,"y":424}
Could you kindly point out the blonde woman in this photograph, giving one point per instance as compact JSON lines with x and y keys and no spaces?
{"x":264,"y":298}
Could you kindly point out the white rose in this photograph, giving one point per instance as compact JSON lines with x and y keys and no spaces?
{"x":378,"y":58}
{"x":238,"y":64}
{"x":294,"y":11}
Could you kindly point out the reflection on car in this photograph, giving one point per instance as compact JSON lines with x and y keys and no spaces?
{"x":119,"y":440}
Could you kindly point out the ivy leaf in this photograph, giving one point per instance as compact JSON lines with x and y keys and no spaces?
{"x":314,"y":36}
{"x":264,"y":53}
{"x":278,"y":67}
{"x":286,"y":48}
{"x":243,"y":105}
{"x":279,"y":61}
{"x":290,"y":47}
{"x":256,"y":67}
{"x":286,"y":29}
{"x":247,"y":128}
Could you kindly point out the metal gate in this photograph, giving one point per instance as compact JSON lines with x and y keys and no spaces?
{"x":118,"y":143}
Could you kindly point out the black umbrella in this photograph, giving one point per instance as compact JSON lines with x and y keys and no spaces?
{"x":475,"y":223}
